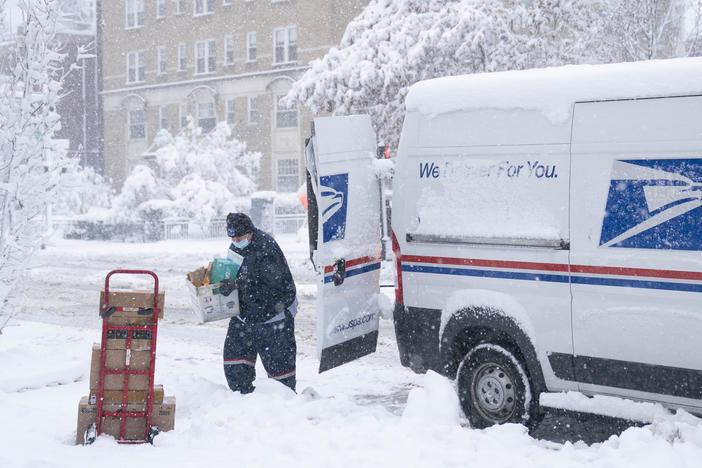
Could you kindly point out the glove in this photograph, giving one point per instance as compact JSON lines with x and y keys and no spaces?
{"x":227,"y":286}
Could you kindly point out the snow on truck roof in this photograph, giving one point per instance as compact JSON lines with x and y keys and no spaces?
{"x":553,"y":91}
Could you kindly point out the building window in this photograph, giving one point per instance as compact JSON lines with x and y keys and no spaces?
{"x":287,"y":175}
{"x":163,"y":117}
{"x":160,"y":8}
{"x":204,"y":7}
{"x":229,"y":50}
{"x":253,"y":110}
{"x":135,"y":66}
{"x":135,"y":13}
{"x":230,"y":112}
{"x":137,"y":127}
{"x":182,"y":57}
{"x":183,"y":115}
{"x":251,"y":46}
{"x":285,"y":116}
{"x":205,"y":56}
{"x":180,"y":7}
{"x":206,"y":118}
{"x":226,"y":2}
{"x":161,"y":51}
{"x":285,"y":44}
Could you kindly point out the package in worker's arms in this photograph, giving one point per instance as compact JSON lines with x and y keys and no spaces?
{"x":207,"y":301}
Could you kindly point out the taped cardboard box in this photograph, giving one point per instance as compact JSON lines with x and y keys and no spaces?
{"x":207,"y":302}
{"x":117,"y":339}
{"x":134,"y":301}
{"x":162,"y":417}
{"x":116,"y":359}
{"x":133,"y":396}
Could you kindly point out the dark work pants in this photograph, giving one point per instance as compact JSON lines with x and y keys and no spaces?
{"x":274,"y":342}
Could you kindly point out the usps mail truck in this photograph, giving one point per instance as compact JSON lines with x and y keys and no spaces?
{"x":546,"y":229}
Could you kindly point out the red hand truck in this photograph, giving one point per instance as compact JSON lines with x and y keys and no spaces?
{"x":142,"y":331}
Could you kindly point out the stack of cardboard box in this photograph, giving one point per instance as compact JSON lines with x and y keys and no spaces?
{"x":117,"y":356}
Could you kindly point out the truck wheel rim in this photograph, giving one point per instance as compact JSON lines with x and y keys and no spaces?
{"x":493,"y":392}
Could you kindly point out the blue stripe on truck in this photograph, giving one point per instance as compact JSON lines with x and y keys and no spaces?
{"x":354,"y":272}
{"x":496,"y":274}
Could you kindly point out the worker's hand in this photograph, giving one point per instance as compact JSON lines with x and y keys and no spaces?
{"x":227,"y":286}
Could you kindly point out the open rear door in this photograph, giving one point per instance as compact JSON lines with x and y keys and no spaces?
{"x":345,"y":236}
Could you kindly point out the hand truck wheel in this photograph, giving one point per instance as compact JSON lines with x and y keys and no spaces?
{"x":90,"y":434}
{"x":153,"y":432}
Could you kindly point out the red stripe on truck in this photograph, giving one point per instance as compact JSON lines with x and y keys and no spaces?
{"x":602,"y":270}
{"x":353,"y":262}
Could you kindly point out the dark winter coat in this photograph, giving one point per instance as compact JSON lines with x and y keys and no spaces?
{"x":264,"y":281}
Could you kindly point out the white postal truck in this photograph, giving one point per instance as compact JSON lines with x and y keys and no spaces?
{"x":547,"y":233}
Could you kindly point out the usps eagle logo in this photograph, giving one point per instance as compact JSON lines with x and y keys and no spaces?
{"x":654,"y":204}
{"x":333,"y":194}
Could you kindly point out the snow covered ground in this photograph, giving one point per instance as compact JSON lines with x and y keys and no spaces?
{"x":373,"y":412}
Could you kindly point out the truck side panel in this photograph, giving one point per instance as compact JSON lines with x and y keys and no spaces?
{"x":459,"y":251}
{"x":636,"y":240}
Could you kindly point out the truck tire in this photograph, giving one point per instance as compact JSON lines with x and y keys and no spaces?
{"x":493,"y":387}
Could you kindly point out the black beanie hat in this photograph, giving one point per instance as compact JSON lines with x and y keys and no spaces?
{"x":238,"y":224}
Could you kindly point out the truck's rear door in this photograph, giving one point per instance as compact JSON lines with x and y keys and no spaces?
{"x":345,"y":236}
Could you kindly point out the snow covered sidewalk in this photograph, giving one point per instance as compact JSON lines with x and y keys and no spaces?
{"x":372,"y":412}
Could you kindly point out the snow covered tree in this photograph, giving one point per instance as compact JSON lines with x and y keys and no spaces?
{"x":200,"y":176}
{"x":693,"y":28}
{"x":30,"y":162}
{"x":645,"y":29}
{"x":394,"y":43}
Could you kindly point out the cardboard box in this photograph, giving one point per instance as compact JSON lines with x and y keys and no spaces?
{"x":117,"y":339}
{"x":134,"y":300}
{"x":198,"y":276}
{"x":116,"y":359}
{"x":209,"y":305}
{"x":133,"y":396}
{"x":162,"y":417}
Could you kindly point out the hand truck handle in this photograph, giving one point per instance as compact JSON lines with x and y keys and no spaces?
{"x":130,"y":272}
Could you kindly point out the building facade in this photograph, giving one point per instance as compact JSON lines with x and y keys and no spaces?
{"x":213,"y":60}
{"x":81,"y":116}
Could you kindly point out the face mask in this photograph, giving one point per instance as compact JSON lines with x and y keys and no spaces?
{"x":241,"y":244}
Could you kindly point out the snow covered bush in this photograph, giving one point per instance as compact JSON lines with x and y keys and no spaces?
{"x":198,"y":177}
{"x":31,"y":162}
{"x":393,"y":44}
{"x":81,"y":190}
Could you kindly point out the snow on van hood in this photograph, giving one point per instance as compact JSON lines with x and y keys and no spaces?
{"x":552,"y":91}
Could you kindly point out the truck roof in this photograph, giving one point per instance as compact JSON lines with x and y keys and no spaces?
{"x":553,"y":91}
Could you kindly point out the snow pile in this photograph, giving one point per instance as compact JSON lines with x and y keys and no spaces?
{"x":611,"y":406}
{"x":436,"y":402}
{"x":553,"y":91}
{"x":19,"y":371}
